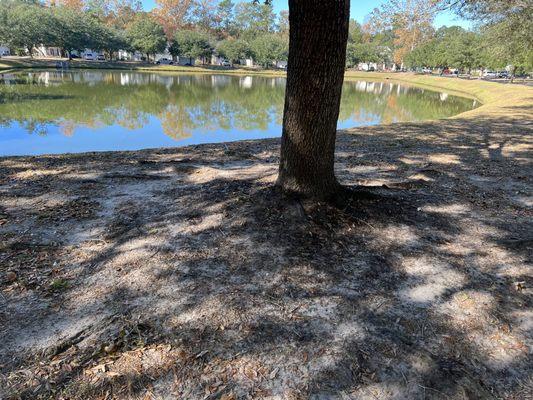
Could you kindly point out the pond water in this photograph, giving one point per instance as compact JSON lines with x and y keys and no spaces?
{"x":50,"y":112}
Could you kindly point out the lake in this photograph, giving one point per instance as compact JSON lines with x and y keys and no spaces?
{"x":51,"y":112}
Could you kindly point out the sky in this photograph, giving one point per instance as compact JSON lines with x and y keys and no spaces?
{"x":359,"y":9}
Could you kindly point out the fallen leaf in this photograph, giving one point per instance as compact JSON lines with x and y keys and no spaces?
{"x":11,"y":276}
{"x":202,"y":353}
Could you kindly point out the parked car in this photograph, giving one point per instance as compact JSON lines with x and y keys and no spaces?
{"x":5,"y":53}
{"x":88,"y":57}
{"x":503,"y":74}
{"x":450,"y":72}
{"x":226,"y":63}
{"x":74,"y":56}
{"x":427,"y":70}
{"x":490,"y":74}
{"x":164,"y":61}
{"x":100,"y":57}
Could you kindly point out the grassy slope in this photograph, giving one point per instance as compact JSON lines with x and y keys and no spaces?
{"x":494,"y":96}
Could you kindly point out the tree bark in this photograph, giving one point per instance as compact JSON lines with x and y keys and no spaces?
{"x":315,"y":74}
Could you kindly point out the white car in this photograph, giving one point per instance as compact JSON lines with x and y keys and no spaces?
{"x":88,"y":57}
{"x":490,"y":74}
{"x":164,"y":61}
{"x":226,"y":63}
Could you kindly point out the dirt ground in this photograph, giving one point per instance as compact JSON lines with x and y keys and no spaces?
{"x":184,"y":273}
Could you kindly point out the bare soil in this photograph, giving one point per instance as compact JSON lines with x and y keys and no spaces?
{"x":184,"y":273}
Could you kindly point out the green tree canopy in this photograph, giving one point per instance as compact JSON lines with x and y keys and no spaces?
{"x":269,"y":48}
{"x":451,"y":47}
{"x":234,"y":49}
{"x":146,"y":35}
{"x":362,"y":52}
{"x":226,"y":16}
{"x":254,"y":19}
{"x":25,"y":25}
{"x":192,"y":44}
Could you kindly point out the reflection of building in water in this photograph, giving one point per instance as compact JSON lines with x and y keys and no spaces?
{"x":360,"y":86}
{"x":48,"y":78}
{"x":279,"y":82}
{"x":373,"y":87}
{"x":443,"y":96}
{"x":7,"y":79}
{"x":92,"y":78}
{"x":220,"y":80}
{"x":124,"y":79}
{"x":402,"y":90}
{"x":128,"y":78}
{"x":246,"y":82}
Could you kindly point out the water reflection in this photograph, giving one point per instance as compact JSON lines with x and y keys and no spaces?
{"x":130,"y":110}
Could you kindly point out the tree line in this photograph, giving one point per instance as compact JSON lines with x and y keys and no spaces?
{"x":187,"y":28}
{"x":399,"y":32}
{"x":402,"y":32}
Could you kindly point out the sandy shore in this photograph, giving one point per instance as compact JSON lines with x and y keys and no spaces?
{"x":184,"y":273}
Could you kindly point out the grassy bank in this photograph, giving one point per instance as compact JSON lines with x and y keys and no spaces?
{"x":498,"y":99}
{"x":27,"y":63}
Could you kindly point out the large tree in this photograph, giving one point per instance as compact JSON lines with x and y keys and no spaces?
{"x":451,"y":47}
{"x":269,"y":48}
{"x":317,"y":55}
{"x":254,"y":19}
{"x":409,"y":20}
{"x":171,"y":14}
{"x":25,"y":25}
{"x":73,"y":31}
{"x":225,"y":16}
{"x":204,"y":15}
{"x":192,"y":44}
{"x":508,"y":28}
{"x":234,"y":50}
{"x":146,"y":35}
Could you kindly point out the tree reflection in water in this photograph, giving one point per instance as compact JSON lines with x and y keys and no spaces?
{"x":186,"y":105}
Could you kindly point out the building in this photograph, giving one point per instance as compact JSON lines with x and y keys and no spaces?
{"x":44,"y":51}
{"x":217,"y":60}
{"x":4,"y":50}
{"x":247,"y":62}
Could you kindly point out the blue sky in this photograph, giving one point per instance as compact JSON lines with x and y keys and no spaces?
{"x":359,"y":9}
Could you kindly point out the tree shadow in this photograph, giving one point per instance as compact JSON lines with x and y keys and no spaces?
{"x":202,"y":280}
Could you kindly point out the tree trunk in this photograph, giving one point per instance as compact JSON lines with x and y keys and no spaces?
{"x":315,"y":73}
